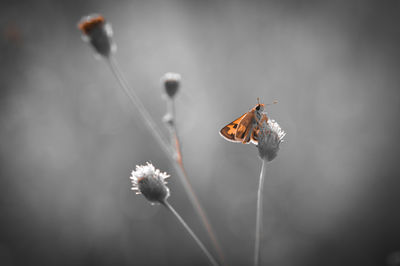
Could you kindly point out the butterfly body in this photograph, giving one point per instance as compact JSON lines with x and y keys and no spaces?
{"x":245,"y":129}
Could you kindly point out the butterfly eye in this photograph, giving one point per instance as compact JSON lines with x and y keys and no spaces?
{"x":258,"y":107}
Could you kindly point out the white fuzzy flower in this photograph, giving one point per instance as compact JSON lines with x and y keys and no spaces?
{"x":270,"y":136}
{"x":150,"y":182}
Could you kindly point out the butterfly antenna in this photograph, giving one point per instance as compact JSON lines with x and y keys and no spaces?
{"x":274,"y":102}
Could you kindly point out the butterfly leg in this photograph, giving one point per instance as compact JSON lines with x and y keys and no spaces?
{"x":263,"y":119}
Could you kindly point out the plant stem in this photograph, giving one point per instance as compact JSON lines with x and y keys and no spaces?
{"x":259,"y":215}
{"x":169,"y":151}
{"x":173,"y":131}
{"x":196,"y":239}
{"x":113,"y":64}
{"x":179,"y":160}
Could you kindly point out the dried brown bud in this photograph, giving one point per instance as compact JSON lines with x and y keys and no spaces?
{"x":98,"y":33}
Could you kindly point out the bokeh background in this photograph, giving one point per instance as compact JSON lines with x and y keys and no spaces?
{"x":69,"y":138}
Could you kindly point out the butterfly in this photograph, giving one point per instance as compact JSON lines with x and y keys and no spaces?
{"x":245,"y":129}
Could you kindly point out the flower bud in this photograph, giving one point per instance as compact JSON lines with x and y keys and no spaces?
{"x":171,"y":82}
{"x":150,"y":182}
{"x":98,"y":33}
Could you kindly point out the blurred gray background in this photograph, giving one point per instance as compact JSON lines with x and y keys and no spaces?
{"x":69,"y":138}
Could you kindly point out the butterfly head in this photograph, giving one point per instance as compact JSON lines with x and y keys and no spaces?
{"x":260,"y":107}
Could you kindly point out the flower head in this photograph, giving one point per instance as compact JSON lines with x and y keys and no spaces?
{"x":270,"y":136}
{"x":171,"y":82}
{"x":150,"y":182}
{"x":98,"y":33}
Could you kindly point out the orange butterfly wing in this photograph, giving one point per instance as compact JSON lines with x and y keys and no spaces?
{"x":245,"y":128}
{"x":229,"y":131}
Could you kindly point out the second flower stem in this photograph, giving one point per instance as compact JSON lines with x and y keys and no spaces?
{"x":259,"y":214}
{"x":190,"y":231}
{"x":179,"y":161}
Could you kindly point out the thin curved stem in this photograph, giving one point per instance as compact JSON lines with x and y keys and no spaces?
{"x":190,"y":231}
{"x":259,"y":215}
{"x":113,"y":64}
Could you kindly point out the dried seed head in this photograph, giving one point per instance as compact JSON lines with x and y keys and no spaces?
{"x":150,"y":182}
{"x":270,"y":136}
{"x":98,"y":33}
{"x":171,"y":82}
